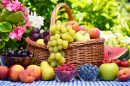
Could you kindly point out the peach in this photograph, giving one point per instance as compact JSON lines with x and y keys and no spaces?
{"x":94,"y":33}
{"x":37,"y":70}
{"x":27,"y":76}
{"x":74,"y":24}
{"x":123,"y":74}
{"x":4,"y":72}
{"x":15,"y":71}
{"x":81,"y":28}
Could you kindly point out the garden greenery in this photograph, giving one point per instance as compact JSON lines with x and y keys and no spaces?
{"x":111,"y":15}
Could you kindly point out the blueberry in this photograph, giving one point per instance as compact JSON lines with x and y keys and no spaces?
{"x":86,"y":69}
{"x":81,"y":72}
{"x":89,"y":72}
{"x":92,"y":69}
{"x":93,"y":77}
{"x":86,"y":65}
{"x":82,"y":76}
{"x":99,"y":78}
{"x":97,"y":69}
{"x":78,"y":68}
{"x":82,"y":68}
{"x":94,"y":73}
{"x":89,"y":78}
{"x":85,"y":78}
{"x":85,"y":73}
{"x":90,"y":66}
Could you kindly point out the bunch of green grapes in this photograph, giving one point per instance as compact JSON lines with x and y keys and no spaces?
{"x":59,"y":40}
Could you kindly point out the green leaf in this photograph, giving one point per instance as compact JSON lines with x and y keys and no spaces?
{"x":7,"y":13}
{"x":16,"y":17}
{"x":5,"y":27}
{"x":5,"y":37}
{"x":11,"y":44}
{"x":2,"y":44}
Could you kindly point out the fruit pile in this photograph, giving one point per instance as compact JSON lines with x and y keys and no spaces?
{"x":65,"y":72}
{"x":59,"y":40}
{"x":88,"y":72}
{"x":22,"y":57}
{"x":118,"y":62}
{"x":17,"y":73}
{"x":29,"y":74}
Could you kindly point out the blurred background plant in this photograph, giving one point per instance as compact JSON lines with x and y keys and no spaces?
{"x":111,"y":15}
{"x":15,"y":24}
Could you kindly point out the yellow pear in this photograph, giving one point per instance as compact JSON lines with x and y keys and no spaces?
{"x":47,"y":71}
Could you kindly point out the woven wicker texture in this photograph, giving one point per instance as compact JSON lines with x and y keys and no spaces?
{"x":77,"y":53}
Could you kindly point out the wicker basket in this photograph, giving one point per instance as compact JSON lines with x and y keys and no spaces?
{"x":77,"y":53}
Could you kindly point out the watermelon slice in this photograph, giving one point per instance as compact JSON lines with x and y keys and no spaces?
{"x":111,"y":52}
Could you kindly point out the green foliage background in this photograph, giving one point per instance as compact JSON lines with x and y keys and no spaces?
{"x":111,"y":15}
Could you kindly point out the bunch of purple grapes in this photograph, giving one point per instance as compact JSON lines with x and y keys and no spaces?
{"x":35,"y":35}
{"x":18,"y":53}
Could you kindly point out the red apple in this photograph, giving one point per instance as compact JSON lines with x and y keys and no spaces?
{"x":81,"y":28}
{"x":94,"y":33}
{"x":37,"y":70}
{"x":74,"y":24}
{"x":15,"y":71}
{"x":124,"y":74}
{"x":4,"y":72}
{"x":27,"y":76}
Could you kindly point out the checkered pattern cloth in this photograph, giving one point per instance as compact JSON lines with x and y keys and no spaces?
{"x":76,"y":82}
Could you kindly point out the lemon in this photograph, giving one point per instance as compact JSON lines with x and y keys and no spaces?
{"x":40,"y":41}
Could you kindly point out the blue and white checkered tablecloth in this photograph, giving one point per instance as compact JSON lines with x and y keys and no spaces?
{"x":76,"y":82}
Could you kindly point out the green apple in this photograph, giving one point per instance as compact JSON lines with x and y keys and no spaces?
{"x":82,"y":36}
{"x":108,"y":71}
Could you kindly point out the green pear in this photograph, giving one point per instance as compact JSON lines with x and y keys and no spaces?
{"x":47,"y":71}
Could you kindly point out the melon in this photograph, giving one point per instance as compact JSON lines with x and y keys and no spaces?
{"x":111,"y":52}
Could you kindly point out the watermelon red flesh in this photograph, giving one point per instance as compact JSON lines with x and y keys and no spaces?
{"x":111,"y":52}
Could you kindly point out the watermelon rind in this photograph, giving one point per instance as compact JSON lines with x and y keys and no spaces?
{"x":120,"y":55}
{"x":126,"y":53}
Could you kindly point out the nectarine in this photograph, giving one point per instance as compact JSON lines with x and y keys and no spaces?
{"x":94,"y":33}
{"x":27,"y":76}
{"x":74,"y":24}
{"x":37,"y":70}
{"x":81,"y":28}
{"x":123,"y":74}
{"x":14,"y":72}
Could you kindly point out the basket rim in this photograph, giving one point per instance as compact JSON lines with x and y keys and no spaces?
{"x":70,"y":45}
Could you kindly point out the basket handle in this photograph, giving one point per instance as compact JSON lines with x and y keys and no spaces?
{"x":55,"y":11}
